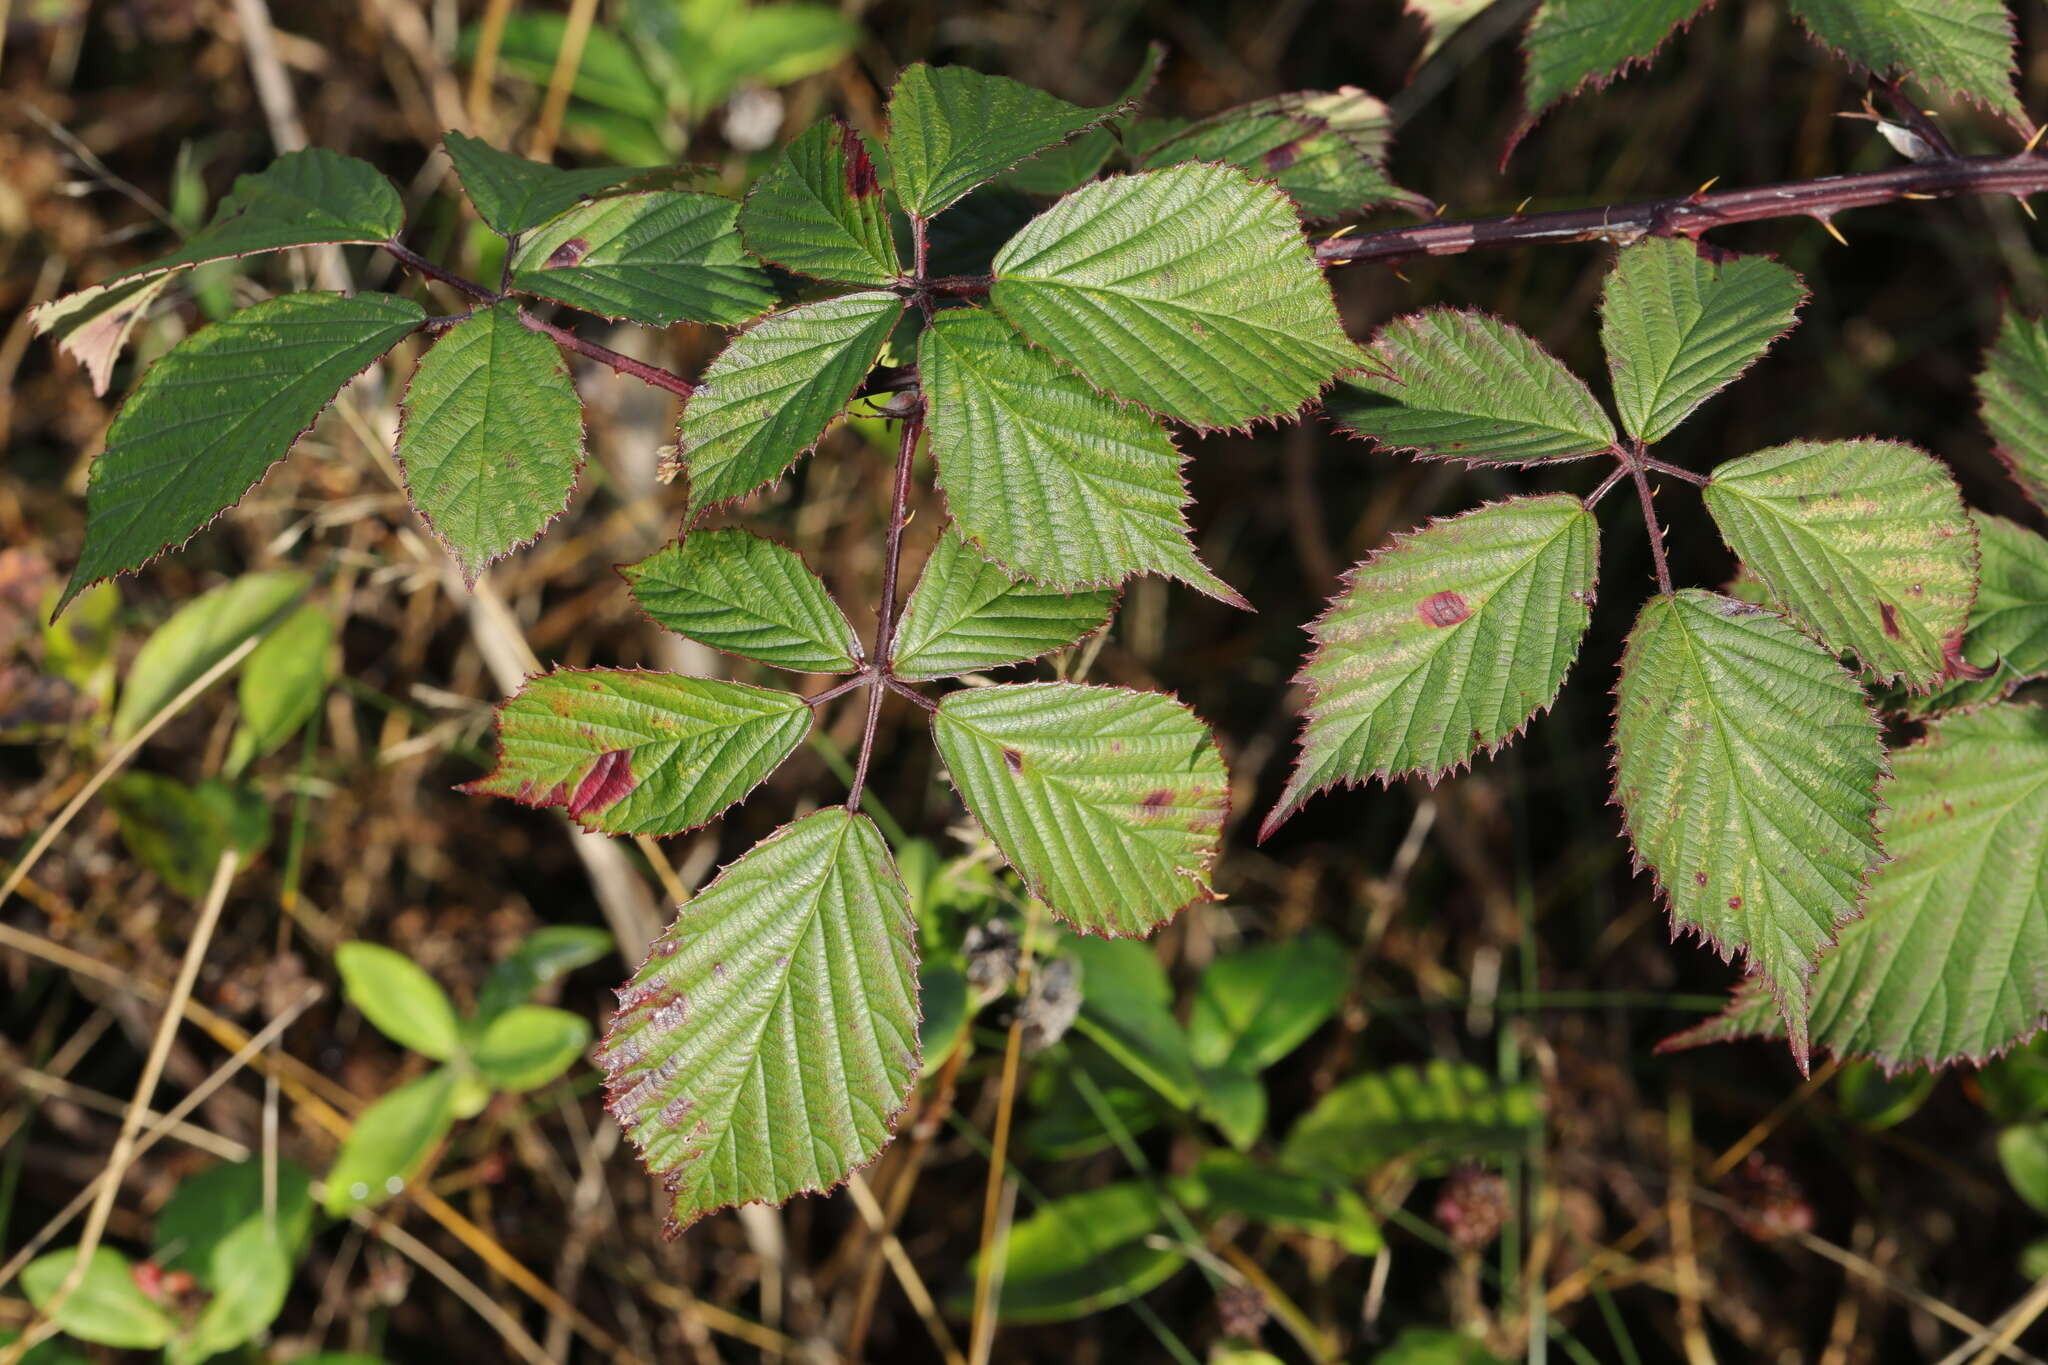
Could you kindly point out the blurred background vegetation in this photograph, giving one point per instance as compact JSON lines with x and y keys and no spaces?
{"x":1441,"y":1002}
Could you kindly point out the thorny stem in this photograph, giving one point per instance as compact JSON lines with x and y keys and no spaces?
{"x":1696,"y":480}
{"x":904,"y":689}
{"x":885,"y":614}
{"x":420,"y":265}
{"x":1632,"y":459}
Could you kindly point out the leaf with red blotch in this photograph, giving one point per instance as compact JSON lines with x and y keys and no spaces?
{"x":628,"y":752}
{"x":819,"y":210}
{"x":1448,"y":641}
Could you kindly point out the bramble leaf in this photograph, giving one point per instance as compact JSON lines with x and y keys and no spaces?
{"x":1189,"y":290}
{"x":967,"y":614}
{"x":92,"y":326}
{"x":1961,"y":46}
{"x":1109,"y":803}
{"x":735,"y":591}
{"x":773,"y":390}
{"x":1571,"y":43}
{"x":771,"y":1037}
{"x":1051,"y":479}
{"x":1938,"y":969}
{"x":1435,"y":1116}
{"x":512,"y":194}
{"x":2007,"y":637}
{"x":491,"y":440}
{"x":1746,"y":763}
{"x":819,"y":210}
{"x":2012,"y":391}
{"x":1326,"y":149}
{"x":1865,"y":541}
{"x":215,"y":413}
{"x":1449,"y":640}
{"x":1441,"y":19}
{"x":658,"y":258}
{"x":640,"y":753}
{"x":1460,"y":385}
{"x":1679,"y":328}
{"x":951,"y":128}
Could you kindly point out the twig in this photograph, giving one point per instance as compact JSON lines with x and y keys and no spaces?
{"x":885,"y":614}
{"x":131,"y":1125}
{"x":1633,"y":459}
{"x":2004,"y":1332}
{"x":980,"y":1332}
{"x":906,"y":1273}
{"x":420,"y":265}
{"x":624,"y":364}
{"x":568,"y":61}
{"x":464,"y":1288}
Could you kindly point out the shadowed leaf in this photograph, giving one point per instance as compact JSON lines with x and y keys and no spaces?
{"x":2007,"y":638}
{"x":2012,"y":391}
{"x":1961,"y":46}
{"x":1572,"y":42}
{"x":950,"y":129}
{"x":512,"y":194}
{"x":819,"y":210}
{"x":1434,"y":1116}
{"x":1325,"y":149}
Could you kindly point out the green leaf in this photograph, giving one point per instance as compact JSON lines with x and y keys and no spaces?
{"x":819,"y":210}
{"x":609,"y":74}
{"x":658,"y":258}
{"x":389,"y":1142}
{"x":2012,"y":392}
{"x":1865,"y":541}
{"x":1962,"y":46}
{"x":1082,"y":1253}
{"x":1109,"y":803}
{"x":1875,"y":1101}
{"x":199,"y":635}
{"x":1127,"y":1011}
{"x":738,"y":592}
{"x":1679,"y":328}
{"x":1460,"y":385}
{"x":1065,"y":168}
{"x":215,"y":413}
{"x":281,"y":684}
{"x":1325,"y":149}
{"x":1435,"y":1346}
{"x":1434,"y":1116}
{"x":306,"y":198}
{"x":966,"y":614}
{"x":491,"y":441}
{"x":396,"y":994}
{"x":1573,"y":43}
{"x":1189,"y":290}
{"x":1235,"y":1101}
{"x":2015,"y":1086}
{"x":512,"y":194}
{"x":529,"y":1045}
{"x":215,"y":1226}
{"x":548,"y":952}
{"x":950,"y":129}
{"x":782,"y":1001}
{"x":2007,"y":638}
{"x":1746,"y":762}
{"x":176,"y":831}
{"x":107,"y":1306}
{"x":1927,"y":975}
{"x":628,"y":752}
{"x":93,"y":325}
{"x":1048,"y":478}
{"x":1229,"y":1182}
{"x":1254,"y":1005}
{"x":773,"y":390}
{"x":2023,"y":1152}
{"x":1448,"y":641}
{"x":942,"y":991}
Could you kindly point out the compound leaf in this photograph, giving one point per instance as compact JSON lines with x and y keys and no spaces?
{"x":216,"y":412}
{"x":773,"y":390}
{"x":1051,"y":479}
{"x":1449,"y":640}
{"x":2012,"y":392}
{"x":492,"y":437}
{"x":771,"y":1037}
{"x":1435,"y":1115}
{"x":2007,"y":638}
{"x":1109,"y":803}
{"x":966,"y":614}
{"x":1326,"y":149}
{"x":1865,"y":541}
{"x":1936,"y":971}
{"x":820,"y":211}
{"x":950,"y":129}
{"x":1746,"y":765}
{"x":1459,"y":385}
{"x":1679,"y":328}
{"x":735,"y":591}
{"x":1961,"y":46}
{"x":1571,"y":43}
{"x":512,"y":194}
{"x":658,"y":258}
{"x":640,"y":753}
{"x":1189,"y":290}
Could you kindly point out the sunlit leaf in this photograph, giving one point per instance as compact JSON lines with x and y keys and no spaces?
{"x":1326,"y":149}
{"x":1964,"y":47}
{"x":396,"y":994}
{"x":1746,"y":763}
{"x":951,"y":128}
{"x":2007,"y":638}
{"x":819,"y":210}
{"x":627,"y":752}
{"x":389,"y":1142}
{"x":662,"y":257}
{"x":967,"y":614}
{"x":529,"y":1045}
{"x":735,"y":591}
{"x":1109,"y":803}
{"x":1573,"y":43}
{"x":93,"y":325}
{"x":548,"y":952}
{"x":107,"y":1306}
{"x":1081,"y":1253}
{"x":766,"y":1045}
